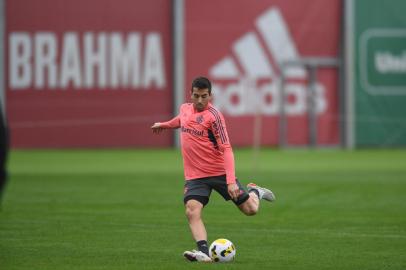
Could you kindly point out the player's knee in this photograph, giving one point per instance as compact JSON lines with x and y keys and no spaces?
{"x":192,"y":211}
{"x":250,"y":211}
{"x":249,"y":208}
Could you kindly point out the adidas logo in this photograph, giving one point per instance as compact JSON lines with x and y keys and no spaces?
{"x":248,"y":79}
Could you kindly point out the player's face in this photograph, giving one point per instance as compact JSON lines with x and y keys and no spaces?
{"x":200,"y":98}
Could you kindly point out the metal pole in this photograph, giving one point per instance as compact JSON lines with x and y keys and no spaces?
{"x":282,"y":113}
{"x":178,"y":59}
{"x":349,"y":94}
{"x":311,"y":101}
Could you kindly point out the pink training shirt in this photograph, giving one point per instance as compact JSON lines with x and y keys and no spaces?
{"x":206,"y":148}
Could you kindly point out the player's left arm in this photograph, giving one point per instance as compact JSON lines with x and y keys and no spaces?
{"x":223,"y":142}
{"x":229,"y":166}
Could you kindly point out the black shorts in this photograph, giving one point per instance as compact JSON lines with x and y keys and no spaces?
{"x":200,"y":189}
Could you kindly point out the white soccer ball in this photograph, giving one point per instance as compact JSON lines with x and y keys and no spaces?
{"x":222,"y":250}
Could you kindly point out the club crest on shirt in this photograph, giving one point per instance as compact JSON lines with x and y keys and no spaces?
{"x":199,"y":119}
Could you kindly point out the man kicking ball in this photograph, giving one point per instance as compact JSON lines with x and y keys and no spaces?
{"x":208,"y":161}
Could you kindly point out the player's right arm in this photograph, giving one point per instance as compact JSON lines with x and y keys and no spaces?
{"x":173,"y":123}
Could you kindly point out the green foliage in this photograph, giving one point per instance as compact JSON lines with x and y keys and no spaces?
{"x":123,"y":209}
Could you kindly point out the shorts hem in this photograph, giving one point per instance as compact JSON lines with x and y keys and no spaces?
{"x":242,"y":199}
{"x":202,"y":199}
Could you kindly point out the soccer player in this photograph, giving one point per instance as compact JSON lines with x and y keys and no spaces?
{"x":208,"y":162}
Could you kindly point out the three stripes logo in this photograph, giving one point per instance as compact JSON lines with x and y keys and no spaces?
{"x":248,"y":79}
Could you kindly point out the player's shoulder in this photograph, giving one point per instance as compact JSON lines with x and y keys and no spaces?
{"x":186,"y":106}
{"x":214,"y":112}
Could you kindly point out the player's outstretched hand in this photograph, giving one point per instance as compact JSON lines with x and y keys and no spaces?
{"x":156,"y":128}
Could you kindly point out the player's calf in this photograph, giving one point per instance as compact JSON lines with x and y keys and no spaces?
{"x":251,"y":206}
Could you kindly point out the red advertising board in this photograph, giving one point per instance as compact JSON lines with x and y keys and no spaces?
{"x":88,"y":73}
{"x":241,"y":45}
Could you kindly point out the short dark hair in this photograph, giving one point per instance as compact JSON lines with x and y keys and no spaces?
{"x":201,"y":83}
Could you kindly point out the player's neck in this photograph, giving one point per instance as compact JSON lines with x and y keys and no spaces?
{"x":205,"y":108}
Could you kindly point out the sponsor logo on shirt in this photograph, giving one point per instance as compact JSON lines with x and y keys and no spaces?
{"x":193,"y":132}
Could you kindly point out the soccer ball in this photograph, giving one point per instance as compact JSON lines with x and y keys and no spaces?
{"x":222,"y":250}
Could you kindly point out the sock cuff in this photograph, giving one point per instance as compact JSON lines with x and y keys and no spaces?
{"x":256,"y":192}
{"x":202,"y":246}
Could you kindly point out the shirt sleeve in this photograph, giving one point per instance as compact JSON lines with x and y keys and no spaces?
{"x":220,"y":132}
{"x":173,"y":123}
{"x":229,"y":165}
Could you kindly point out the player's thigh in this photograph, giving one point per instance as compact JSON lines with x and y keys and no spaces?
{"x":197,"y":190}
{"x":219,"y":183}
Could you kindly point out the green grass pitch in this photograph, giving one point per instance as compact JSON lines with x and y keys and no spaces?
{"x":123,"y":209}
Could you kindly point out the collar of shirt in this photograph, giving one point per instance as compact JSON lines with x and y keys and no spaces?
{"x":205,"y":109}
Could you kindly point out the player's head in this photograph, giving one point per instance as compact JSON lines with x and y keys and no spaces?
{"x":201,"y":83}
{"x":201,"y":93}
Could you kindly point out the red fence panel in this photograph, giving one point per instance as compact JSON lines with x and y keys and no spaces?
{"x":88,"y":73}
